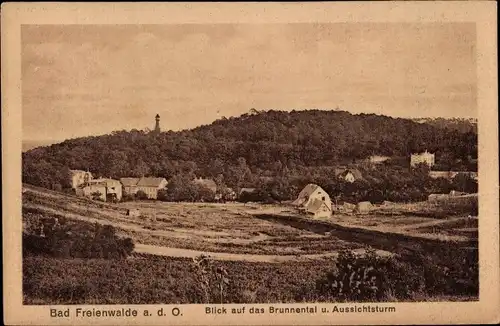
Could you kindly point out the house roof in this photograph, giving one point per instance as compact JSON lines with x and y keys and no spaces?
{"x":150,"y":182}
{"x":78,"y":171}
{"x":308,"y":190}
{"x":128,"y":182}
{"x":305,"y":195}
{"x":426,"y":153}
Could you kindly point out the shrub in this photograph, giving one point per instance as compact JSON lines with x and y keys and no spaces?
{"x":370,"y":277}
{"x":183,"y":189}
{"x":212,"y":280}
{"x":141,"y":195}
{"x":128,"y":197}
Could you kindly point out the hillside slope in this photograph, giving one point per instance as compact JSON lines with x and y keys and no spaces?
{"x":261,"y":143}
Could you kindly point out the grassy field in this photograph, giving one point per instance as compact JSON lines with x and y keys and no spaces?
{"x":231,"y":228}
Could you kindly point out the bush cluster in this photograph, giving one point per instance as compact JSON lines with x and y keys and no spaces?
{"x":371,"y":277}
{"x":57,"y":237}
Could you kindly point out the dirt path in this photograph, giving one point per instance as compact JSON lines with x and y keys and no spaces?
{"x":409,"y":230}
{"x":187,"y":253}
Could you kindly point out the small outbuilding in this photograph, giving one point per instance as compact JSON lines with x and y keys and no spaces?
{"x":347,"y":207}
{"x":455,"y":193}
{"x":134,"y":212}
{"x":363,"y":207}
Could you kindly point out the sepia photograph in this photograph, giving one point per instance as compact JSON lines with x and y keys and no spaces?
{"x":276,"y":165}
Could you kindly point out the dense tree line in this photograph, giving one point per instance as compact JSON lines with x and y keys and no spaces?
{"x":243,"y":151}
{"x":457,"y":124}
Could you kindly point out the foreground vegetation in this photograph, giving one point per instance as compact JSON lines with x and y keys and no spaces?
{"x":69,"y":261}
{"x":174,"y":280}
{"x":65,"y":262}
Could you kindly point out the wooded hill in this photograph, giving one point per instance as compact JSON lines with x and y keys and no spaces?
{"x":240,"y":149}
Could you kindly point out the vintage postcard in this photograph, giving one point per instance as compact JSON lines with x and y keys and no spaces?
{"x":250,"y":163}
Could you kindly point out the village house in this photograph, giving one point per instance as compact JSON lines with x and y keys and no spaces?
{"x":129,"y":185}
{"x":314,"y":201}
{"x":425,"y":158}
{"x":79,"y":177}
{"x":149,"y":185}
{"x":348,"y":175}
{"x":105,"y":188}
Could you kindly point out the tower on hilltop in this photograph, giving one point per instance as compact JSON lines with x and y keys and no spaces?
{"x":157,"y":125}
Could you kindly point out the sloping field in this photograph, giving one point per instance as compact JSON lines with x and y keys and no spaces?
{"x":253,"y":232}
{"x":202,"y":228}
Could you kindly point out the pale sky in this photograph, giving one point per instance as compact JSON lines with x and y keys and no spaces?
{"x":80,"y":80}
